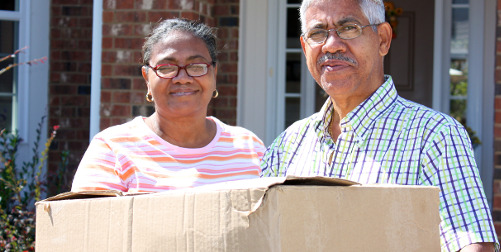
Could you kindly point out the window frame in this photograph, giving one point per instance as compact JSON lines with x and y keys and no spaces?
{"x":19,"y":120}
{"x":31,"y":97}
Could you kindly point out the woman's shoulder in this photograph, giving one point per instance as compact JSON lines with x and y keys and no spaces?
{"x":122,"y":130}
{"x":229,"y":131}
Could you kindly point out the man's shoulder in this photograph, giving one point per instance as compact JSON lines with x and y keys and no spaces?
{"x":419,"y":114}
{"x":305,"y":124}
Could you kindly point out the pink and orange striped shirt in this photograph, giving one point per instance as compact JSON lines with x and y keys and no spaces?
{"x":131,"y":158}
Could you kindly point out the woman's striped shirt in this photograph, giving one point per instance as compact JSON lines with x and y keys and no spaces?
{"x":132,"y":158}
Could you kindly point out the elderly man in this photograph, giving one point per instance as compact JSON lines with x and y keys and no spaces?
{"x":365,"y":132}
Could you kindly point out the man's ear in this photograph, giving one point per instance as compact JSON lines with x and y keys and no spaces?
{"x":385,"y":34}
{"x":302,"y":43}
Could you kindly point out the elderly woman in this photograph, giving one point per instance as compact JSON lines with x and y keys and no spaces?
{"x":178,"y":146}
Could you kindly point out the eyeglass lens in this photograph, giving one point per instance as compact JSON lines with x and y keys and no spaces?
{"x":349,"y":31}
{"x":171,"y":71}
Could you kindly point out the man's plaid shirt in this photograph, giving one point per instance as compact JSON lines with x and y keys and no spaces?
{"x":390,"y":140}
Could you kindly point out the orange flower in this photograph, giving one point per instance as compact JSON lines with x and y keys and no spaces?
{"x":389,"y":6}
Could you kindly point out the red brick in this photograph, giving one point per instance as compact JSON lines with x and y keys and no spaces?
{"x":227,"y":90}
{"x":85,"y":44}
{"x":497,"y":104}
{"x":130,"y":16}
{"x":154,"y":17}
{"x":104,"y":123}
{"x":121,"y":110}
{"x":107,"y":42}
{"x":124,"y":4}
{"x":65,"y":2}
{"x":85,"y":22}
{"x":106,"y":70}
{"x":156,"y":5}
{"x":108,"y":16}
{"x":498,"y":75}
{"x":228,"y":67}
{"x":138,"y":97}
{"x":496,"y":187}
{"x":190,"y":15}
{"x":128,"y":43}
{"x":138,"y":84}
{"x":55,"y":10}
{"x":108,"y":56}
{"x":105,"y":97}
{"x":120,"y":97}
{"x":221,"y":10}
{"x":497,"y":227}
{"x":121,"y":70}
{"x":496,"y":205}
{"x":233,"y":57}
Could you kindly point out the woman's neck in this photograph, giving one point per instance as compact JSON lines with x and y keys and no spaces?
{"x":183,"y":132}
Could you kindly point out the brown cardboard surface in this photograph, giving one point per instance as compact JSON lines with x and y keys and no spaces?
{"x":258,"y":215}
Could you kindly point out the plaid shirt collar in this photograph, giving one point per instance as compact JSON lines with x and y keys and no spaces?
{"x":360,"y":119}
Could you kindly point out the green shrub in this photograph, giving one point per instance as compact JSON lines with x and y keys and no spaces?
{"x":22,"y":187}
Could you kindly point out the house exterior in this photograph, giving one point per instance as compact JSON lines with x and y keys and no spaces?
{"x":446,"y":55}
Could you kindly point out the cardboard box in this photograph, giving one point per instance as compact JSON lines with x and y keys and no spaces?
{"x":269,"y":214}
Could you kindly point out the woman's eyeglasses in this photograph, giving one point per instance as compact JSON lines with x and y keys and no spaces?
{"x":169,"y":71}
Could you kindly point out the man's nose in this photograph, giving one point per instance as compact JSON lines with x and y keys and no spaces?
{"x":333,"y":42}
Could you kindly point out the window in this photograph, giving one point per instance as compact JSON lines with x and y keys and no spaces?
{"x":9,"y":42}
{"x":458,"y":72}
{"x":298,"y":94}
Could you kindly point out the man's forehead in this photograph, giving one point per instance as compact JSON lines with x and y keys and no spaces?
{"x":322,"y":13}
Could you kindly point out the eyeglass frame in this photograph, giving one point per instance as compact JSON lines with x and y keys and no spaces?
{"x":213,"y":63}
{"x":337,"y":32}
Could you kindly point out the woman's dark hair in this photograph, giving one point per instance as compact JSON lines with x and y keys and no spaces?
{"x":165,"y":27}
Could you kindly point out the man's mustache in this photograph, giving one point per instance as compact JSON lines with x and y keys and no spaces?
{"x":336,"y":56}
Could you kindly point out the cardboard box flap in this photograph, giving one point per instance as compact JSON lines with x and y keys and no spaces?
{"x":268,"y":182}
{"x":263,"y":183}
{"x":318,"y":180}
{"x":84,"y":195}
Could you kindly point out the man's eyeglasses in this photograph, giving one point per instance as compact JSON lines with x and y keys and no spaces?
{"x":169,"y":71}
{"x":346,"y":31}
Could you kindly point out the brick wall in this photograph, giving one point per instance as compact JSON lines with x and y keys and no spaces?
{"x":224,"y":107}
{"x":125,"y":25}
{"x":497,"y":130}
{"x":69,"y":83}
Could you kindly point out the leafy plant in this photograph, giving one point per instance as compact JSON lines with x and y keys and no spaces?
{"x":22,"y":186}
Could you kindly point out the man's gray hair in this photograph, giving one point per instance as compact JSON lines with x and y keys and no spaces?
{"x":373,"y":10}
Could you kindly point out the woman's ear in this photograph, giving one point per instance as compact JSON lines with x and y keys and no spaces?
{"x":144,"y":71}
